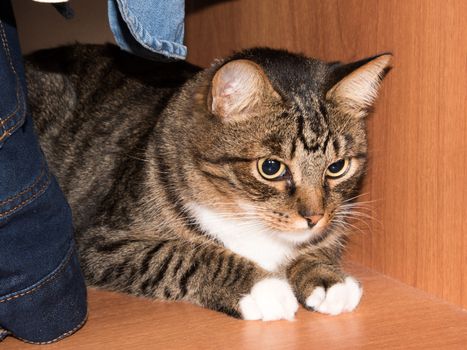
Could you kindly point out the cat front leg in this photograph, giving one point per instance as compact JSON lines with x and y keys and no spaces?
{"x":201,"y":273}
{"x":320,"y":284}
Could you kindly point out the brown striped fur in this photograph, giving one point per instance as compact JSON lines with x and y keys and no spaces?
{"x":134,"y":142}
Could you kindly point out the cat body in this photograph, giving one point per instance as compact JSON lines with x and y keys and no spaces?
{"x":227,"y":187}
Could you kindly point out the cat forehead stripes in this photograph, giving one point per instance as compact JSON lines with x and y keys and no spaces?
{"x":312,"y":123}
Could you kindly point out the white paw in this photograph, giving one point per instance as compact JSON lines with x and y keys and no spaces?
{"x":337,"y":299}
{"x":270,"y":299}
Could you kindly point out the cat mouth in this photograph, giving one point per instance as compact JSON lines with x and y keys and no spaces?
{"x":313,"y":224}
{"x":304,"y":233}
{"x":297,"y":237}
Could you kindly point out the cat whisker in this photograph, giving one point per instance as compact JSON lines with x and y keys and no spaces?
{"x":357,"y":213}
{"x":355,"y":197}
{"x":358,"y":220}
{"x":363,"y":205}
{"x":345,"y":224}
{"x":352,"y":213}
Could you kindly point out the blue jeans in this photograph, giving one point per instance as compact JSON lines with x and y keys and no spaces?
{"x":149,"y":28}
{"x":42,"y":290}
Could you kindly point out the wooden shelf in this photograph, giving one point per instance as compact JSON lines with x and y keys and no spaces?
{"x":390,"y":316}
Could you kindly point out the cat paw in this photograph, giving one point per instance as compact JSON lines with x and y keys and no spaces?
{"x":270,"y":299}
{"x":341,"y":297}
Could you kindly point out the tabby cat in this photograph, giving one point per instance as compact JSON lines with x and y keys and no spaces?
{"x":227,"y":187}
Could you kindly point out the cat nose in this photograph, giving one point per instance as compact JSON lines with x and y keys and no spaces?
{"x":311,"y":218}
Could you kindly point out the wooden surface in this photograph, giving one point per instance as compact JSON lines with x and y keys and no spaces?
{"x":390,"y":316}
{"x":418,"y":172}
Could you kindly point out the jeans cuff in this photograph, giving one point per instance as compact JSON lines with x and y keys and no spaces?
{"x":51,"y":309}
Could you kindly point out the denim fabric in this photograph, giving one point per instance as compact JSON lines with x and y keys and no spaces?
{"x":42,"y":290}
{"x":149,"y":28}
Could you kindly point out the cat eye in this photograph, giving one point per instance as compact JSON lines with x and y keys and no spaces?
{"x":271,"y":169}
{"x":338,"y":169}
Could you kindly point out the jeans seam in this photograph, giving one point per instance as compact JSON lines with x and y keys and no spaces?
{"x":4,"y":120}
{"x":46,"y":281}
{"x":58,"y":271}
{"x":28,"y":200}
{"x":126,"y":13}
{"x":19,"y":194}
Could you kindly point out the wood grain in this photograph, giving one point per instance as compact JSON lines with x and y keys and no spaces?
{"x":391,"y":316}
{"x":418,"y":174}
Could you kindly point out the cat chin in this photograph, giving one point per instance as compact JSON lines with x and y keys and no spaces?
{"x":294,"y":237}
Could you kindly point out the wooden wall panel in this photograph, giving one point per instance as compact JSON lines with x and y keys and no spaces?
{"x":418,"y":173}
{"x":41,"y":26}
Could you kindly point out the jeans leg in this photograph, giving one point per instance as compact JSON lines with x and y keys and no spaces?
{"x":42,"y":290}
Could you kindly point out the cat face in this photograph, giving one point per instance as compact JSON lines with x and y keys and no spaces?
{"x":285,"y":144}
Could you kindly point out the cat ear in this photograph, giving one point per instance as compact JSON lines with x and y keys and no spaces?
{"x":357,"y":84}
{"x":239,"y":88}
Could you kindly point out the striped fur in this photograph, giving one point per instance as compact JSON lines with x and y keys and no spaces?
{"x":137,"y":145}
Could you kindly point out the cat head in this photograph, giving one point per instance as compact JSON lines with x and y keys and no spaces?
{"x":281,"y":141}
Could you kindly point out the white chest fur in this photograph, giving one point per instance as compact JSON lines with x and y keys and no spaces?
{"x":247,"y":238}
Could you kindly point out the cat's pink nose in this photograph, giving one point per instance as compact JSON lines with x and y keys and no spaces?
{"x":311,"y":218}
{"x":315,"y":218}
